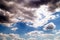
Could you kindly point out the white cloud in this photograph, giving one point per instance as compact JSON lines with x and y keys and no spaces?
{"x":57,"y":37}
{"x":14,"y":29}
{"x":57,"y":9}
{"x":35,"y":33}
{"x":37,"y":16}
{"x":31,"y":39}
{"x":10,"y":36}
{"x":38,"y":35}
{"x":43,"y":36}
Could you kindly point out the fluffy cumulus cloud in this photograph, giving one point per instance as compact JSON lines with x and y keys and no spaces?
{"x":38,"y":12}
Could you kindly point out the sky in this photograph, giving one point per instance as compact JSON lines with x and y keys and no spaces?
{"x":24,"y":21}
{"x":23,"y":30}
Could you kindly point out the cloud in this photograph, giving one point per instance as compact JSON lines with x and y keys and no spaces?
{"x":43,"y":36}
{"x":20,"y":12}
{"x":37,"y":3}
{"x":10,"y":36}
{"x":12,"y":12}
{"x":14,"y":29}
{"x":33,"y":35}
{"x":49,"y":26}
{"x":31,"y":39}
{"x":57,"y":37}
{"x":38,"y":35}
{"x":43,"y":16}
